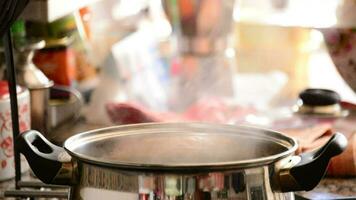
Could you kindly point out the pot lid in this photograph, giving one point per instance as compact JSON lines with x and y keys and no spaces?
{"x":180,"y":146}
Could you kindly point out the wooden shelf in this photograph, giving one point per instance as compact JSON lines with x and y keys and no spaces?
{"x":51,"y":10}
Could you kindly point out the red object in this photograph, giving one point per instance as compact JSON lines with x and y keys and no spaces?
{"x":58,"y":64}
{"x":4,"y":90}
{"x":208,"y":110}
{"x":348,"y":105}
{"x":6,"y":146}
{"x":86,"y":16}
{"x":3,"y":164}
{"x":124,"y":113}
{"x":345,"y":163}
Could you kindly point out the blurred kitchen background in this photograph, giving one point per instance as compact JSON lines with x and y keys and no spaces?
{"x":95,"y":63}
{"x":127,"y":61}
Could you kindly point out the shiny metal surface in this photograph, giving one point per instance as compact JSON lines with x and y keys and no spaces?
{"x":45,"y":115}
{"x":35,"y":194}
{"x":29,"y":76}
{"x":179,"y":161}
{"x":39,"y":110}
{"x":245,"y":184}
{"x":180,"y":146}
{"x":61,"y":111}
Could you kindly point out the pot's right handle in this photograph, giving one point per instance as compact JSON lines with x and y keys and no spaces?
{"x":50,"y":163}
{"x":310,"y":167}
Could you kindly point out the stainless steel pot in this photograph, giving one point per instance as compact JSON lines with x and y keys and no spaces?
{"x":178,"y":161}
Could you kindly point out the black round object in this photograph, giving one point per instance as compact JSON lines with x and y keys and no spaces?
{"x":319,"y":97}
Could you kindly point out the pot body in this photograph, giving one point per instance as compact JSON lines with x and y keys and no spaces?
{"x":178,"y":161}
{"x":97,"y":182}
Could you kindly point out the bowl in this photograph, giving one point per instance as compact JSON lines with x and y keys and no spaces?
{"x":341,"y":45}
{"x":340,"y":40}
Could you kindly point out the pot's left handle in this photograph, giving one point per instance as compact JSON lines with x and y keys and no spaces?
{"x":304,"y":172}
{"x":50,"y":163}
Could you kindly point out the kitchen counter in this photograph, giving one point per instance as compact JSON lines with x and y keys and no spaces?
{"x":332,"y":188}
{"x":342,"y":186}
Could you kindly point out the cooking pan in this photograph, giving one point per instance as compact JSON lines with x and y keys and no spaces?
{"x":179,"y":161}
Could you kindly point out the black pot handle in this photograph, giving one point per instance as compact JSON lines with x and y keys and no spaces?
{"x":50,"y":163}
{"x":305,"y":171}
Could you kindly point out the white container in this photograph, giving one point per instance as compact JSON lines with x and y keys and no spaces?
{"x":7,"y":165}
